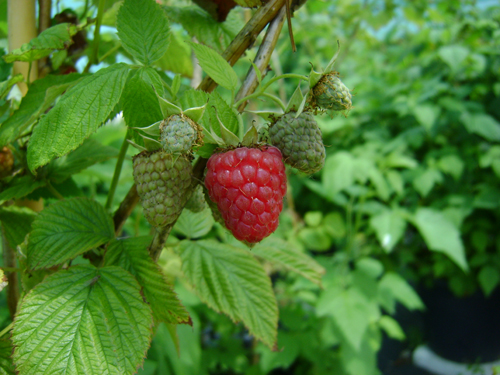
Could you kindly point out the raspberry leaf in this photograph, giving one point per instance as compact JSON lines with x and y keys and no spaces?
{"x":194,"y":225}
{"x":143,"y":29}
{"x":215,"y":66}
{"x":78,"y":114}
{"x":230,"y":280}
{"x":281,"y":252}
{"x":16,"y":223}
{"x":20,"y":187}
{"x":66,"y":229}
{"x":132,"y":255}
{"x":54,"y":38}
{"x":39,"y":98}
{"x":83,"y":320}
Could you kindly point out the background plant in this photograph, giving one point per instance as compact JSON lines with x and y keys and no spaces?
{"x":408,"y":193}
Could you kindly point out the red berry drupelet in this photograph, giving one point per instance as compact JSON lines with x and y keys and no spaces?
{"x":248,"y":185}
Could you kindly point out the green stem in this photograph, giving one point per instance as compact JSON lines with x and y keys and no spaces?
{"x":7,"y":329}
{"x":287,"y":75}
{"x":275,"y":99}
{"x":97,"y":36}
{"x":118,"y":170}
{"x":28,"y":80}
{"x":53,"y":190}
{"x":110,"y":52}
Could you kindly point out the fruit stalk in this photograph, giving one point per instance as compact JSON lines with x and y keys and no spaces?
{"x":118,"y":170}
{"x":262,"y":58}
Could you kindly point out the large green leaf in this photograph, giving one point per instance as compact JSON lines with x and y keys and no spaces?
{"x":66,"y":229}
{"x":177,"y":59}
{"x":230,"y":280}
{"x":132,"y":255}
{"x":39,"y":98}
{"x":143,"y":29}
{"x":441,"y":235}
{"x":76,"y":115}
{"x":88,"y":154}
{"x":279,"y":251}
{"x":54,"y":38}
{"x":6,"y":364}
{"x":483,"y":125}
{"x":82,"y":320}
{"x":16,"y":223}
{"x":215,"y":66}
{"x":389,"y":227}
{"x":392,"y":288}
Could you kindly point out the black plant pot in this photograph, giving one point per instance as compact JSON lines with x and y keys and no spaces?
{"x":463,"y":329}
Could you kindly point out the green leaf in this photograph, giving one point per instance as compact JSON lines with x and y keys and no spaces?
{"x":89,"y":153}
{"x":82,"y":320}
{"x":143,"y":29}
{"x":316,"y":239}
{"x":54,"y":38}
{"x":392,"y":288}
{"x":143,"y":112}
{"x":427,"y":115}
{"x":132,"y":254}
{"x":441,"y":235}
{"x":6,"y":364}
{"x":380,"y":184}
{"x":489,"y":278}
{"x":334,"y":225}
{"x":66,"y":229}
{"x":281,"y":252}
{"x":177,"y":59}
{"x":39,"y":98}
{"x":20,"y":187}
{"x":338,"y":172}
{"x":230,"y":280}
{"x":426,"y":179}
{"x":451,"y":164}
{"x":396,"y":181}
{"x":77,"y":115}
{"x":16,"y":223}
{"x":6,"y":86}
{"x":389,"y":227}
{"x":218,"y":107}
{"x":453,"y":55}
{"x":391,"y":327}
{"x":215,"y":66}
{"x":194,"y":225}
{"x":483,"y":125}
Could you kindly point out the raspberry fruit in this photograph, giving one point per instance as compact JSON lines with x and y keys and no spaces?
{"x":6,"y":161}
{"x":300,"y":141}
{"x":331,"y":93}
{"x":163,"y":182}
{"x":178,"y":134}
{"x":248,"y":185}
{"x":197,"y":201}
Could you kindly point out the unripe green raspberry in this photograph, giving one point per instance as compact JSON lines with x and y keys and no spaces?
{"x":197,"y":201}
{"x":300,"y":141}
{"x":179,"y":134}
{"x":331,"y":93}
{"x":163,"y":181}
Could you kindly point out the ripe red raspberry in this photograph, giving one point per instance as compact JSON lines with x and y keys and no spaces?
{"x":248,"y":185}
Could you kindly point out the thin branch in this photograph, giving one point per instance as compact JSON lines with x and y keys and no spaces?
{"x":44,"y":16}
{"x":246,"y":37}
{"x":125,"y":209}
{"x":263,"y":57}
{"x":118,"y":170}
{"x":94,"y":57}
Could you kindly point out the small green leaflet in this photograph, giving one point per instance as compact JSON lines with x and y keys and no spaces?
{"x":224,"y":112}
{"x":66,"y":229}
{"x":230,"y":280}
{"x":5,"y":86}
{"x":39,"y":98}
{"x":16,"y":223}
{"x":441,"y":235}
{"x":83,"y":320}
{"x":132,"y":255}
{"x":194,"y":225}
{"x":76,"y":115}
{"x":54,"y":38}
{"x":20,"y":187}
{"x":392,"y":288}
{"x":389,"y":227}
{"x":215,"y":66}
{"x":177,"y":59}
{"x":143,"y":29}
{"x":279,"y":251}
